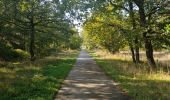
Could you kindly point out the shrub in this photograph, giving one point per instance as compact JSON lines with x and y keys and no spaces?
{"x":7,"y":53}
{"x":22,"y":54}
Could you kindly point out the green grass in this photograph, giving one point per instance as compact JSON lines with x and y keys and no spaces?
{"x":136,"y":80}
{"x":39,"y":81}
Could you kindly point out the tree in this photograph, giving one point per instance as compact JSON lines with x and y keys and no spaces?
{"x":149,"y":23}
{"x":144,"y":17}
{"x":135,"y":56}
{"x":104,"y":31}
{"x":34,"y":25}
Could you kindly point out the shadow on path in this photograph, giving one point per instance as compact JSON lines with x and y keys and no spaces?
{"x":87,"y":81}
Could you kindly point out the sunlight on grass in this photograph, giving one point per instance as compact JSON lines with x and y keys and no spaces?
{"x":136,"y":80}
{"x":16,"y":63}
{"x":38,"y":81}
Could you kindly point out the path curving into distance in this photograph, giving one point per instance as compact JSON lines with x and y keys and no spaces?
{"x":87,"y":81}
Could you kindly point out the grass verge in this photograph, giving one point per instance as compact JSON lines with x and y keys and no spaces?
{"x":136,"y":80}
{"x":39,"y":81}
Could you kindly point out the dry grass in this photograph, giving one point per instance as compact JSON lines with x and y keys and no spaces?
{"x":137,"y":79}
{"x":162,"y":59}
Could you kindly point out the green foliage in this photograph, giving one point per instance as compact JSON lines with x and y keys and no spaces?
{"x":75,"y":42}
{"x":8,"y":53}
{"x":44,"y":19}
{"x":13,"y":54}
{"x":4,"y":51}
{"x":104,"y":31}
{"x":116,"y":24}
{"x":167,"y":28}
{"x":21,"y":53}
{"x":38,"y":81}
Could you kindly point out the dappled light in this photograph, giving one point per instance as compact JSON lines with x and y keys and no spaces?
{"x":35,"y":81}
{"x":137,"y":80}
{"x":124,"y":44}
{"x":87,"y":81}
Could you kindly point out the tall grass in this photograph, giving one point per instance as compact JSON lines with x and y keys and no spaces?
{"x":135,"y":79}
{"x":38,"y":81}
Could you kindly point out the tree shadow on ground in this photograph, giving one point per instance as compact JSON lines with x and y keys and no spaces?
{"x":135,"y":79}
{"x":32,"y":81}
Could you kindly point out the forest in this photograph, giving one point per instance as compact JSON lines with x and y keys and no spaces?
{"x":41,"y":39}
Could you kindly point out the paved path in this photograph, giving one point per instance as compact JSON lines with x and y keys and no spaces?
{"x":87,"y":81}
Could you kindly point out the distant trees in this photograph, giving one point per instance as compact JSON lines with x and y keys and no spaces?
{"x":104,"y":32}
{"x":134,"y":23}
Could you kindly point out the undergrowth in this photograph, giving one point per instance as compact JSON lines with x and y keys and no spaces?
{"x":38,"y":81}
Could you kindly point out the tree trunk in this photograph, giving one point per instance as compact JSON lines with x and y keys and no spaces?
{"x":137,"y":50}
{"x":131,"y":12}
{"x":133,"y":54}
{"x":32,"y":39}
{"x":149,"y":51}
{"x":147,"y":41}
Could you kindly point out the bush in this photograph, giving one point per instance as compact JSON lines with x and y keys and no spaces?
{"x":22,"y":54}
{"x":7,"y":53}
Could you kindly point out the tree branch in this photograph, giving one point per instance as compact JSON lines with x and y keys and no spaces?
{"x":119,"y":6}
{"x":157,"y":8}
{"x":14,"y":23}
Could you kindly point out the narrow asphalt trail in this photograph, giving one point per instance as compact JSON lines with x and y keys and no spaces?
{"x":87,"y":81}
